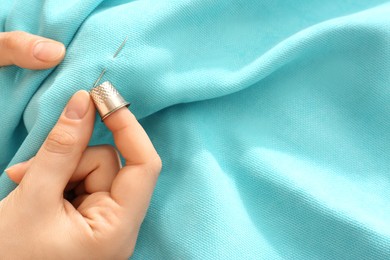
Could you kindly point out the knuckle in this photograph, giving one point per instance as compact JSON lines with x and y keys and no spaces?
{"x":155,"y":165}
{"x":60,"y":141}
{"x":109,"y":151}
{"x":110,"y":154}
{"x":13,"y":40}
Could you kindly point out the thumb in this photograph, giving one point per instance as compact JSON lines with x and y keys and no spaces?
{"x":61,"y":152}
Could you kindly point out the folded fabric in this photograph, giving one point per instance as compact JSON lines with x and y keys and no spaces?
{"x":272,"y":117}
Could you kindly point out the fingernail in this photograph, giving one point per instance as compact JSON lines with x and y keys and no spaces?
{"x":78,"y":105}
{"x":14,"y":167}
{"x":48,"y":50}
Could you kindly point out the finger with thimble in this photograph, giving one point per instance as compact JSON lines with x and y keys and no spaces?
{"x":107,"y":99}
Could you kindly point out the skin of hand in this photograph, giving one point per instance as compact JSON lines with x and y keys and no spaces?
{"x":103,"y":218}
{"x":29,"y":51}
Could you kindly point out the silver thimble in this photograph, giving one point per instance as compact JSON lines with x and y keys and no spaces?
{"x":107,"y":99}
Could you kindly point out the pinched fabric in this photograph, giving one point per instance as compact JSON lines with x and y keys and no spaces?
{"x":272,"y":117}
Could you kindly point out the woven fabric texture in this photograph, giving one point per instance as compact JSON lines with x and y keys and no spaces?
{"x":272,"y":117}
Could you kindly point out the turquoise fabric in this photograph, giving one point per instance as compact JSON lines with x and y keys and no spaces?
{"x":272,"y":117}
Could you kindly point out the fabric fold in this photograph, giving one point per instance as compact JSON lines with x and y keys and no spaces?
{"x":271,"y":117}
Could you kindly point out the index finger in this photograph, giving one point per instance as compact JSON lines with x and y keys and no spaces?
{"x":134,"y":184}
{"x":29,"y":51}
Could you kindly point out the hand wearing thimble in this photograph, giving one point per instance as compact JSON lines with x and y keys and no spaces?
{"x":104,"y":205}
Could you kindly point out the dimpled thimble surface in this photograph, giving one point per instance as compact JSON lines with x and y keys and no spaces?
{"x":107,"y":99}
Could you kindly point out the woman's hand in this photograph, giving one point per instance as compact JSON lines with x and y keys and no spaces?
{"x":104,"y":206}
{"x":103,"y":220}
{"x":29,"y":51}
{"x":96,"y":171}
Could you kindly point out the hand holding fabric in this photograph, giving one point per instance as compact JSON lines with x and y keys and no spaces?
{"x":103,"y":220}
{"x":29,"y":51}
